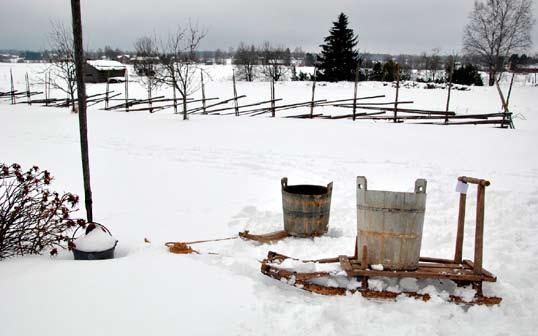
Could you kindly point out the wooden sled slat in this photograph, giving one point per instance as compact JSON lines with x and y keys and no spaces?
{"x":348,"y":264}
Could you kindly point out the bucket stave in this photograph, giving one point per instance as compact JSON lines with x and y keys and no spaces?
{"x":390,"y":225}
{"x":306,"y":208}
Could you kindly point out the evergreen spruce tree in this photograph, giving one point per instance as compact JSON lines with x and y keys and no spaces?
{"x":338,"y":59}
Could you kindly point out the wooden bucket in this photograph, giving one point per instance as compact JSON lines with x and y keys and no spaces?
{"x":306,"y":208}
{"x":390,"y":225}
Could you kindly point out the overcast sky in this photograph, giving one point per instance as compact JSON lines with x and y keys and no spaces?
{"x":391,"y":26}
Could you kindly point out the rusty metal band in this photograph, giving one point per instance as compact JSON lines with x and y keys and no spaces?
{"x":301,"y":214}
{"x":388,"y":234}
{"x":371,"y":208}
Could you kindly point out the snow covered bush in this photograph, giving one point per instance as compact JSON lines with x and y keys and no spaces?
{"x":32,"y":218}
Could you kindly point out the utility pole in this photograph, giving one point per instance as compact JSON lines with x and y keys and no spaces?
{"x":81,"y":91}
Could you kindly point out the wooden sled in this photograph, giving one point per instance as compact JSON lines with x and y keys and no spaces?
{"x":462,"y":272}
{"x":429,"y":268}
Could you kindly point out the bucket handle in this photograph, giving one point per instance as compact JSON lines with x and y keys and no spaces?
{"x":284,"y":183}
{"x":420,"y":186}
{"x":104,"y":228}
{"x":362,"y":183}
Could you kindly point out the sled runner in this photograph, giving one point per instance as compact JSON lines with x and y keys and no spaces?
{"x":429,"y":268}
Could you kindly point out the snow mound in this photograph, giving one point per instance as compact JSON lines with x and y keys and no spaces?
{"x":106,"y":65}
{"x":308,"y":267}
{"x":95,"y":241}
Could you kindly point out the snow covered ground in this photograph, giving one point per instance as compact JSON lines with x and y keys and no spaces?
{"x":155,"y":176}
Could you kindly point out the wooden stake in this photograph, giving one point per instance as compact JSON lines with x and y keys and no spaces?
{"x":48,"y":87}
{"x":503,"y":101}
{"x":149,"y":97}
{"x":313,"y":94}
{"x":235,"y":95}
{"x":12,"y":87}
{"x":479,"y":232}
{"x":356,"y":252}
{"x":126,"y":91}
{"x":364,"y":261}
{"x":510,"y":91}
{"x":449,"y":89}
{"x":46,"y":92}
{"x":174,"y":97}
{"x":461,"y":225}
{"x":106,"y":93}
{"x":397,"y":91}
{"x":355,"y":91}
{"x":272,"y":97}
{"x":203,"y":92}
{"x":28,"y":99}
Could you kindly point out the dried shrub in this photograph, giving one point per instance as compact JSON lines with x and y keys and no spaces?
{"x":32,"y":217}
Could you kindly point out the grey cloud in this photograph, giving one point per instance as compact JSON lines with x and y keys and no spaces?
{"x":394,"y":26}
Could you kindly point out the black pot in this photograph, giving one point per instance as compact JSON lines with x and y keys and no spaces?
{"x":99,"y":255}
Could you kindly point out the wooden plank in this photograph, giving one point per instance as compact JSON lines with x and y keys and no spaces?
{"x":263,"y":110}
{"x":197,"y":109}
{"x":373,"y":104}
{"x":416,"y":111}
{"x":473,"y":180}
{"x":470,"y":264}
{"x":345,"y":264}
{"x":304,"y":116}
{"x":439,"y":265}
{"x":242,"y":106}
{"x":479,"y":232}
{"x":478,"y":122}
{"x":421,"y":274}
{"x":331,"y":102}
{"x":461,"y":227}
{"x":436,"y":260}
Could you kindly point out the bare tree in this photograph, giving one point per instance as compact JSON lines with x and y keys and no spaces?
{"x":61,"y":57}
{"x":275,"y":61}
{"x":435,"y":63}
{"x":179,"y":69}
{"x":220,"y":57}
{"x":497,"y":28}
{"x":146,"y":63}
{"x":245,"y":61}
{"x":298,"y":54}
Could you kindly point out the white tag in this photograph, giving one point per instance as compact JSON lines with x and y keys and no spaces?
{"x":462,"y":187}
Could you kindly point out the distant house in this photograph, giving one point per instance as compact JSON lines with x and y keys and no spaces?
{"x":99,"y":71}
{"x":125,"y":59}
{"x":8,"y":58}
{"x":525,"y":68}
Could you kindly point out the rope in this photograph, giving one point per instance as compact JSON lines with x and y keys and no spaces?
{"x":180,"y":248}
{"x":184,"y":248}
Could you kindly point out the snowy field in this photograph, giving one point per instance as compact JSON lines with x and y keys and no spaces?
{"x":155,"y":176}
